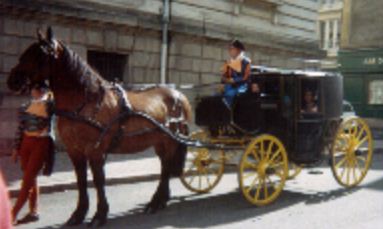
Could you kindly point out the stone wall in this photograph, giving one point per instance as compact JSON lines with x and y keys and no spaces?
{"x":362,"y":27}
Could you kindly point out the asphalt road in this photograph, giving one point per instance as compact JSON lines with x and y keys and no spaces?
{"x":312,"y":200}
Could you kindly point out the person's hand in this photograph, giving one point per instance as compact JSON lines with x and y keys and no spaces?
{"x":230,"y":81}
{"x":15,"y":155}
{"x":221,"y":88}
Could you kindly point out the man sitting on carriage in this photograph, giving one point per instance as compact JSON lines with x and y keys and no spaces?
{"x":236,"y":72}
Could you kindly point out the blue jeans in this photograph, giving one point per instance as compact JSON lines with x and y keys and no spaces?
{"x":231,"y":92}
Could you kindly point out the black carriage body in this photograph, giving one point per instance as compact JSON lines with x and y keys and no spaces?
{"x":278,"y":110}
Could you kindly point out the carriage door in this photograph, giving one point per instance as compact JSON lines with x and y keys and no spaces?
{"x":310,"y":121}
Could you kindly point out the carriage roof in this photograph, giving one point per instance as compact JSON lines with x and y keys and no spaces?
{"x":266,"y":71}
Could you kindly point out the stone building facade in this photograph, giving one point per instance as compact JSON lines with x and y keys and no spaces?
{"x":122,"y":38}
{"x":329,"y":27}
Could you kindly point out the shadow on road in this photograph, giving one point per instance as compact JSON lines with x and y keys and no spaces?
{"x":198,"y":212}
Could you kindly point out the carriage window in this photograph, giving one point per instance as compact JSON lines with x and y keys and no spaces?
{"x":111,"y":66}
{"x":271,"y":86}
{"x":309,"y":96}
{"x":375,"y":92}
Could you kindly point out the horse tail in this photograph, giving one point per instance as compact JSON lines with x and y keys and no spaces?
{"x":186,"y":107}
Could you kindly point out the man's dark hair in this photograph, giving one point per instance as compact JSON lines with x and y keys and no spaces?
{"x":237,"y":44}
{"x":39,"y":86}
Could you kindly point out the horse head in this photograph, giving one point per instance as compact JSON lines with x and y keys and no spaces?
{"x":35,"y":63}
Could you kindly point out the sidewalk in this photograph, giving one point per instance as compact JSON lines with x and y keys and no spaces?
{"x":119,"y":169}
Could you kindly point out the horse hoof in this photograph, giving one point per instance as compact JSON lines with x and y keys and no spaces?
{"x":98,"y":220}
{"x":154,"y":206}
{"x":74,"y":221}
{"x":78,"y":216}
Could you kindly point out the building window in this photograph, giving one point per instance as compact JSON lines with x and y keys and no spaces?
{"x":322,"y":33}
{"x":375,"y":92}
{"x":111,"y":66}
{"x":330,"y":43}
{"x":339,"y":28}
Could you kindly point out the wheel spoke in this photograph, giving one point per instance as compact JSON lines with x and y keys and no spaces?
{"x":191,"y":179}
{"x":248,"y":164}
{"x":259,"y":187}
{"x":262,"y":150}
{"x":265,"y":191}
{"x":276,"y":165}
{"x":255,"y":154}
{"x":249,"y":175}
{"x":341,"y":162}
{"x":253,"y":183}
{"x":360,"y":134}
{"x":208,"y":180}
{"x":354,"y":174}
{"x":358,"y":165}
{"x":190,"y":168}
{"x":211,"y":171}
{"x":271,"y":160}
{"x":348,"y":173}
{"x":360,"y":143}
{"x":354,"y":129}
{"x":361,"y":158}
{"x":271,"y":144}
{"x":343,"y":172}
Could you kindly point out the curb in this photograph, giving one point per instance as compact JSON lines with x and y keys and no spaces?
{"x":61,"y":187}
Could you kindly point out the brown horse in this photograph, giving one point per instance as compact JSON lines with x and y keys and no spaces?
{"x":89,"y":107}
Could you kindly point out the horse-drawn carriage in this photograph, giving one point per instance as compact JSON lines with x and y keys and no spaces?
{"x":276,"y":127}
{"x":277,"y":136}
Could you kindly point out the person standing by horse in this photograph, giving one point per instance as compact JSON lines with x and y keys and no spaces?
{"x":34,"y":146}
{"x":236,"y":72}
{"x":96,"y":118}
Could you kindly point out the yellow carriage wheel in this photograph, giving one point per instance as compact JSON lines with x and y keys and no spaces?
{"x":204,"y":167}
{"x":351,"y":152}
{"x":263,"y":170}
{"x":294,"y":170}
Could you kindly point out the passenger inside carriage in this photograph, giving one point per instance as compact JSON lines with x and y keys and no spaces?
{"x":254,"y":88}
{"x":309,"y":104}
{"x":235,"y":72}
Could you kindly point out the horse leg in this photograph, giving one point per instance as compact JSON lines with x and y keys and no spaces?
{"x":78,"y":216}
{"x":162,"y":194}
{"x":97,"y":167}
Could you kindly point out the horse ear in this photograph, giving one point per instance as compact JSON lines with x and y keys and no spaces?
{"x":50,"y":36}
{"x":39,"y":34}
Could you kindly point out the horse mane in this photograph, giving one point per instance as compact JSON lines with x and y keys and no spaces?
{"x":83,"y":73}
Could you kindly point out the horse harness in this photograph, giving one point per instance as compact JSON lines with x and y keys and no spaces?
{"x":126,"y":112}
